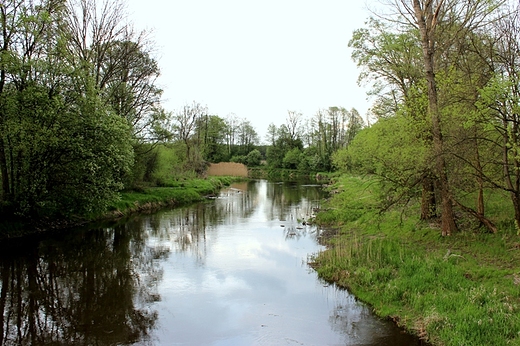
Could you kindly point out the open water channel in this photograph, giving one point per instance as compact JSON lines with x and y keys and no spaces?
{"x":230,"y":271}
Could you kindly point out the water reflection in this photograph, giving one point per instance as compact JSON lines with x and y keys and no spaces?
{"x":81,"y":288}
{"x":229,"y":271}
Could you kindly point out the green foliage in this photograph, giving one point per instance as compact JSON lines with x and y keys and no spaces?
{"x":67,"y":158}
{"x":70,"y":113}
{"x":166,"y":165}
{"x":239,"y":159}
{"x":459,"y":290}
{"x":292,"y":158}
{"x":392,"y":151}
{"x":342,"y":161}
{"x":274,"y":156}
{"x":254,"y":158}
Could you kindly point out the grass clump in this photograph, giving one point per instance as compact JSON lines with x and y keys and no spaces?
{"x":458,"y":290}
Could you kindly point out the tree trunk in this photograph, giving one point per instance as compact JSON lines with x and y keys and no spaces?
{"x":428,"y":202}
{"x":6,"y":193}
{"x":483,"y":220}
{"x":426,"y":21}
{"x":480,"y":181}
{"x":515,"y":198}
{"x":512,"y":188}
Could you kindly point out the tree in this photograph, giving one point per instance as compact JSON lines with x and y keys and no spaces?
{"x":498,"y":107}
{"x":293,"y":125}
{"x":390,"y":150}
{"x":232,"y":122}
{"x":292,"y":158}
{"x":426,"y":18}
{"x":434,"y":20}
{"x":354,"y":124}
{"x":392,"y":61}
{"x":283,"y":143}
{"x":271,"y":134}
{"x":120,"y":62}
{"x":211,"y":130}
{"x":184,"y":126}
{"x":247,"y":137}
{"x":24,"y":26}
{"x":63,"y":151}
{"x":254,"y":158}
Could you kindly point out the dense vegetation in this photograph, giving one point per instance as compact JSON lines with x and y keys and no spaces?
{"x":81,"y":120}
{"x":457,"y":290}
{"x":428,"y":207}
{"x":446,"y":80}
{"x":81,"y":117}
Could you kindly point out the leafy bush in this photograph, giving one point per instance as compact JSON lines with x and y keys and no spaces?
{"x":292,"y":158}
{"x":254,"y":158}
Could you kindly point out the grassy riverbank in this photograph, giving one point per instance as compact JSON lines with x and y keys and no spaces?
{"x":177,"y":193}
{"x":457,"y":290}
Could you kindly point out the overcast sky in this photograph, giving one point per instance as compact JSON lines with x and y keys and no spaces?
{"x":256,"y":59}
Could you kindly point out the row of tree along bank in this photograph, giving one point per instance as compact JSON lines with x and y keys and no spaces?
{"x":430,"y":239}
{"x":457,"y":290}
{"x":81,"y":117}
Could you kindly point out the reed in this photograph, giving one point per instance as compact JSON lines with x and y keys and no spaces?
{"x":227,"y":169}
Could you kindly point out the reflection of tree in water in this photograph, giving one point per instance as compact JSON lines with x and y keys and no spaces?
{"x":95,"y":287}
{"x":186,"y":229}
{"x":79,"y":289}
{"x":237,"y":202}
{"x":293,"y":202}
{"x":355,"y":321}
{"x":179,"y":230}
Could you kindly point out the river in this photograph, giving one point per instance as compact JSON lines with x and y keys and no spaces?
{"x":230,"y":271}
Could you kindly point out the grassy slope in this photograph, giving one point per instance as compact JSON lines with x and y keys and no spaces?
{"x":459,"y":290}
{"x":177,"y":193}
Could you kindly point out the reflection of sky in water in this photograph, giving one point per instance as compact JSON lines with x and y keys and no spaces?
{"x":239,"y":278}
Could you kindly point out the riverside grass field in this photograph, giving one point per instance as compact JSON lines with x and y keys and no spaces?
{"x":458,"y":290}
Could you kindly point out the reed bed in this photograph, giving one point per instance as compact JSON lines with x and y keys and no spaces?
{"x":231,"y":169}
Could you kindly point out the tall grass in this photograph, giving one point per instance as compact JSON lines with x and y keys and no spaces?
{"x":460,"y":290}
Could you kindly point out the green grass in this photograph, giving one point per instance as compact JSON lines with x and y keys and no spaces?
{"x":176,"y":193}
{"x":173,"y":193}
{"x":457,"y":290}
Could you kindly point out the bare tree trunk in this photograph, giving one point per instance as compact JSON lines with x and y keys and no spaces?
{"x":426,"y":20}
{"x":480,"y":181}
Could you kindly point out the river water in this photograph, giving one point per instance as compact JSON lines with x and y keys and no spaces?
{"x":230,"y":271}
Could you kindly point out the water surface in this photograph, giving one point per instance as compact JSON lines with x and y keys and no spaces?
{"x":231,"y":271}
